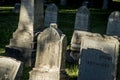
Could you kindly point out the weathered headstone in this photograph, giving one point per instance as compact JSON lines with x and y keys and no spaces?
{"x":22,"y":42}
{"x":10,"y":69}
{"x":17,"y":8}
{"x":98,"y":58}
{"x":113,"y":27}
{"x":51,"y":13}
{"x":76,"y":42}
{"x":50,"y":57}
{"x":82,"y":19}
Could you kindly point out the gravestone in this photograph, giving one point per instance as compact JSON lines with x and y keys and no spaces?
{"x":50,"y":56}
{"x":10,"y":69}
{"x":98,"y":58}
{"x":23,"y":37}
{"x":76,"y":42}
{"x":21,"y":45}
{"x":82,"y":19}
{"x":17,"y":8}
{"x":113,"y":27}
{"x":51,"y":13}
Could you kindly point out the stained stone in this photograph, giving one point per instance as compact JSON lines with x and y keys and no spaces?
{"x":10,"y":69}
{"x":98,"y":58}
{"x":113,"y":27}
{"x":51,"y":13}
{"x":50,"y":58}
{"x":82,"y":19}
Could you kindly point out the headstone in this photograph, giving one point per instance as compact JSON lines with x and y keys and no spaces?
{"x":98,"y":58}
{"x":51,"y":13}
{"x":50,"y":57}
{"x":113,"y":27}
{"x":22,"y":42}
{"x":17,"y":8}
{"x":76,"y":42}
{"x":10,"y":69}
{"x":82,"y":19}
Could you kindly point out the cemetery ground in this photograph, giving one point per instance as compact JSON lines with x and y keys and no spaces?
{"x":66,"y":20}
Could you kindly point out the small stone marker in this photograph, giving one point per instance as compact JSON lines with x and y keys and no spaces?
{"x":50,"y":57}
{"x":113,"y":27}
{"x":98,"y":58}
{"x":82,"y":19}
{"x":51,"y":13}
{"x":10,"y":69}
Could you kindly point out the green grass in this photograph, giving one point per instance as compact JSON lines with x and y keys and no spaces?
{"x":66,"y":20}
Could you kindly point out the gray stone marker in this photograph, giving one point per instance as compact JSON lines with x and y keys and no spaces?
{"x":50,"y":57}
{"x":113,"y":27}
{"x":82,"y":19}
{"x":76,"y":42}
{"x":23,"y":37}
{"x":51,"y":13}
{"x":98,"y":58}
{"x":10,"y":69}
{"x":16,"y":8}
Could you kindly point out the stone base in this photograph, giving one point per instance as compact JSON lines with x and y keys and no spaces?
{"x":18,"y":53}
{"x":47,"y":75}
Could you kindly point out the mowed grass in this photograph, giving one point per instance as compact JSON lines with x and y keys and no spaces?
{"x":66,"y":20}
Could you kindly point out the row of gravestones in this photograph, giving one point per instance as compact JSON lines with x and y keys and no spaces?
{"x":98,"y":54}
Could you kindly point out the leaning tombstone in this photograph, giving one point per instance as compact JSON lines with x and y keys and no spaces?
{"x":16,"y":8}
{"x":113,"y":27}
{"x":10,"y":69}
{"x":50,"y":56}
{"x":76,"y":42}
{"x":98,"y":58}
{"x":51,"y":13}
{"x":82,"y":19}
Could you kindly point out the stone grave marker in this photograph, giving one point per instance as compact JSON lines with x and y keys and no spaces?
{"x":22,"y":40}
{"x":76,"y":42}
{"x":113,"y":27}
{"x":98,"y":58}
{"x":50,"y":56}
{"x":82,"y":19}
{"x":10,"y":69}
{"x":51,"y":13}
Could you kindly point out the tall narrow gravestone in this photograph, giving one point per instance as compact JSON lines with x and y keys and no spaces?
{"x":113,"y":27}
{"x":10,"y":69}
{"x":51,"y":13}
{"x":98,"y":58}
{"x":21,"y":44}
{"x":82,"y":19}
{"x":50,"y":57}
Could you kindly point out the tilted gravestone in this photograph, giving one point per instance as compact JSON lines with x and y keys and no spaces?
{"x":98,"y":58}
{"x":50,"y":57}
{"x":82,"y":19}
{"x":10,"y":69}
{"x":113,"y":27}
{"x":51,"y":13}
{"x":76,"y":42}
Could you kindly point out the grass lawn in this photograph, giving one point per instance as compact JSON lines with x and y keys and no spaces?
{"x":66,"y":20}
